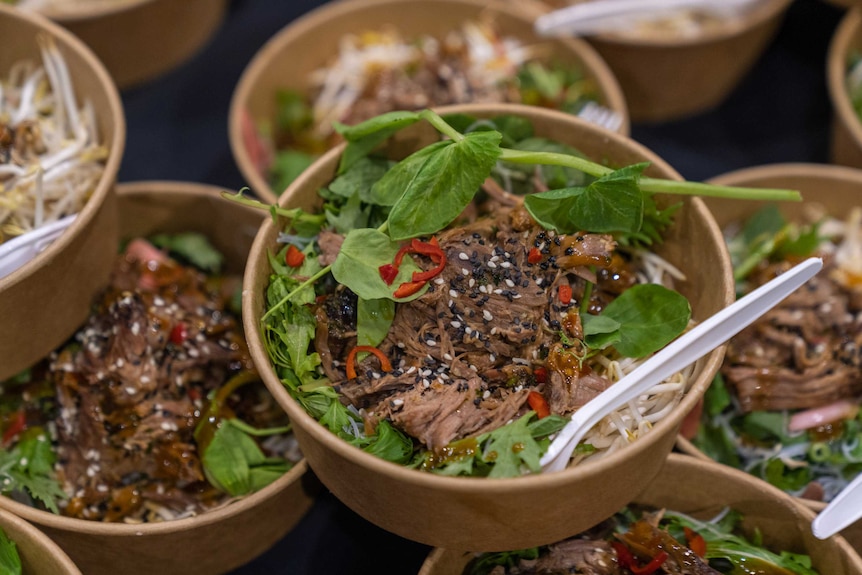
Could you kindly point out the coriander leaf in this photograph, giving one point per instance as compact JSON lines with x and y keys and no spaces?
{"x":358,"y":265}
{"x":364,"y":137}
{"x":193,"y":247}
{"x":17,"y":474}
{"x":782,"y":476}
{"x":389,"y":188}
{"x":650,"y":317}
{"x":444,"y":185}
{"x":10,"y":561}
{"x":373,"y":319}
{"x":486,"y":562}
{"x":515,"y":444}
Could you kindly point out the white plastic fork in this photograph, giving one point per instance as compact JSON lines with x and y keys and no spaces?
{"x":681,"y":352}
{"x":843,"y":510}
{"x":19,"y":250}
{"x":609,"y":15}
{"x":601,"y":116}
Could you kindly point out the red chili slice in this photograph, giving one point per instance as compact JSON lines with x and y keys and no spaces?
{"x":385,"y":365}
{"x":652,"y":566}
{"x":388,"y":273}
{"x":540,"y":374}
{"x":294,"y":257}
{"x":408,"y":288}
{"x":695,"y":541}
{"x":538,"y":404}
{"x":565,"y":293}
{"x":179,"y":333}
{"x":17,"y":426}
{"x":534,"y":256}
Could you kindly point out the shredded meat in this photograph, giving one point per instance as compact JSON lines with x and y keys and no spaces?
{"x":465,"y":352}
{"x":802,"y":354}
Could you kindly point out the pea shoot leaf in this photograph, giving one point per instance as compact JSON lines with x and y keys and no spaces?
{"x":364,"y":137}
{"x":389,"y":189}
{"x":612,"y":203}
{"x":360,"y":178}
{"x":373,"y":319}
{"x":650,"y":317}
{"x":192,"y":247}
{"x":444,"y":185}
{"x":358,"y":265}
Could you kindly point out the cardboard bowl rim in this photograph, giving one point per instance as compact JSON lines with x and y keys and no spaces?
{"x":682,"y":464}
{"x":115,"y":152}
{"x":81,"y":12}
{"x":849,"y":29}
{"x":213,"y":516}
{"x":37,"y":539}
{"x":316,"y":18}
{"x":759,"y":16}
{"x":469,"y":485}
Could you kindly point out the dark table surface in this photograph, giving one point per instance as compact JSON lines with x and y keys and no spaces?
{"x":177,"y":130}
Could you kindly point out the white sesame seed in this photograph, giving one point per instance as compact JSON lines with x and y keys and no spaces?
{"x":510,"y":283}
{"x":431,"y":342}
{"x":463,"y":256}
{"x":473,"y":367}
{"x":439,"y":281}
{"x":426,"y":383}
{"x":471,"y":283}
{"x":456,"y":324}
{"x":486,"y":395}
{"x":453,"y":293}
{"x":398,"y":402}
{"x":493,"y":330}
{"x":447,"y":357}
{"x":487,"y":315}
{"x":492,"y":357}
{"x":465,"y":271}
{"x":483,"y":289}
{"x":492,"y":265}
{"x":505,"y":265}
{"x":539,"y":281}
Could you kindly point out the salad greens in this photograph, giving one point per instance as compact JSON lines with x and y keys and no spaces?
{"x":28,"y":468}
{"x":377,"y":204}
{"x":725,"y":548}
{"x":10,"y":561}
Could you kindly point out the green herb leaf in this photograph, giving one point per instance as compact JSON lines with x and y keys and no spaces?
{"x":389,"y":189}
{"x":373,"y":319}
{"x":10,"y":561}
{"x":358,"y":265}
{"x":364,"y":137}
{"x":234,"y":463}
{"x":612,"y":203}
{"x":360,"y":178}
{"x":192,"y":247}
{"x":390,"y":444}
{"x":600,"y":331}
{"x":29,"y":467}
{"x":650,"y":317}
{"x":444,"y":185}
{"x":286,"y":167}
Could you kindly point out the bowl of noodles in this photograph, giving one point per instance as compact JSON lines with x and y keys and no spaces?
{"x":121,"y":32}
{"x":28,"y":550}
{"x":786,"y":406}
{"x":62,"y":134}
{"x":425,"y":398}
{"x":733,"y":521}
{"x":363,"y":58}
{"x":147,"y":442}
{"x":843,"y":81}
{"x":682,"y":64}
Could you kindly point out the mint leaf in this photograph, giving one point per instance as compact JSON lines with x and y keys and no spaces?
{"x":444,"y":185}
{"x":650,"y":317}
{"x":358,"y":265}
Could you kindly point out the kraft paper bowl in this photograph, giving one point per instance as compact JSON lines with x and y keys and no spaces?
{"x":484,"y":514}
{"x":703,"y":489}
{"x":846,"y":139}
{"x":46,"y":299}
{"x":226,"y":537}
{"x":668,"y":78}
{"x":37,"y":552}
{"x":139,"y":40}
{"x":835,"y":189}
{"x":311,"y":42}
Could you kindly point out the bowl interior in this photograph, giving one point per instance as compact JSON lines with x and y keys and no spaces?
{"x":684,"y":484}
{"x":468,"y":512}
{"x":37,"y":552}
{"x":846,"y":145}
{"x":317,"y":35}
{"x":223,"y":538}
